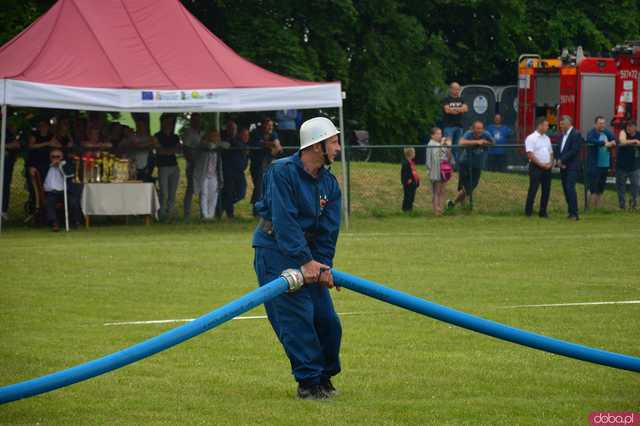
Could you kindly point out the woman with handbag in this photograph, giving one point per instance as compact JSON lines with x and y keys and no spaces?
{"x":439,"y":167}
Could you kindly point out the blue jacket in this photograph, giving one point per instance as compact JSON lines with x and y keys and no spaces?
{"x":474,"y":156}
{"x":501,"y":135}
{"x":287,"y":119}
{"x":595,"y":145}
{"x":305,"y":212}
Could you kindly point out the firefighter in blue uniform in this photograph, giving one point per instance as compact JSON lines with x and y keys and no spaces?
{"x":299,"y":224}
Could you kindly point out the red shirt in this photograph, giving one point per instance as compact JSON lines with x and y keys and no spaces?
{"x":414,"y":172}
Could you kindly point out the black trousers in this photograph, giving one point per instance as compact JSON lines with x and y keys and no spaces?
{"x":256,"y":178}
{"x":9,"y":162}
{"x":538,"y":177}
{"x":51,"y":199}
{"x":409,"y":197}
{"x":233,"y":183}
{"x":497,"y":163}
{"x":569,"y":179}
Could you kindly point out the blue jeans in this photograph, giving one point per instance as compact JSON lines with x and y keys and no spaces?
{"x":621,"y":183}
{"x":305,"y":322}
{"x":169,"y":177}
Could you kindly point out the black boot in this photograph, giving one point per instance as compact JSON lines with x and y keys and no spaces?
{"x":313,"y":392}
{"x":328,"y":387}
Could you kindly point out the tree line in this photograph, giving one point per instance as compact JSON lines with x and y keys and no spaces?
{"x":395,"y":57}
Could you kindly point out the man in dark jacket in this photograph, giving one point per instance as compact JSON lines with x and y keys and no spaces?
{"x":569,"y":163}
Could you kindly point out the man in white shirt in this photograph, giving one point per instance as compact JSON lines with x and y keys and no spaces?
{"x":540,"y":154}
{"x":54,"y":193}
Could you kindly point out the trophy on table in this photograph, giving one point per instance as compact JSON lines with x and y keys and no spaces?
{"x":121,"y":172}
{"x":77,"y":162}
{"x":86,"y":168}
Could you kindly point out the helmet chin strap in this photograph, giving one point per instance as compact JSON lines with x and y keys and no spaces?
{"x":327,"y":162}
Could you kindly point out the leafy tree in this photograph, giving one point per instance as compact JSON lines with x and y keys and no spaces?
{"x":393,"y":57}
{"x":394,"y":71}
{"x":16,"y":15}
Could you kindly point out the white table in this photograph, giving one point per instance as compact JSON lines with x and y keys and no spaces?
{"x":119,"y":199}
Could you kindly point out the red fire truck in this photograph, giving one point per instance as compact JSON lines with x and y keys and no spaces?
{"x":627,"y":59}
{"x":575,"y":85}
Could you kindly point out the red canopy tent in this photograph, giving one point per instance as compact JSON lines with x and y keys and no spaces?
{"x":140,"y":55}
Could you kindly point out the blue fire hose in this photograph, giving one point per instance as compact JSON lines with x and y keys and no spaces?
{"x":290,"y":281}
{"x":481,"y":325}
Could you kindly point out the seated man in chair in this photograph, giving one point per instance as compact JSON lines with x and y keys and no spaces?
{"x":54,"y":193}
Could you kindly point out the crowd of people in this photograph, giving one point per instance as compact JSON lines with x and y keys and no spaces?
{"x":215,"y":160}
{"x":479,"y":148}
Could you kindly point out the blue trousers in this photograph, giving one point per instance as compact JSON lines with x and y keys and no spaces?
{"x":305,"y":321}
{"x":454,"y":134}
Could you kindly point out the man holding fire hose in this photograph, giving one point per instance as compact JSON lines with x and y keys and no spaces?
{"x":299,"y":225}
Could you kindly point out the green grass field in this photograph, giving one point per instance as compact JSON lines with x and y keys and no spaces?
{"x":58,"y":291}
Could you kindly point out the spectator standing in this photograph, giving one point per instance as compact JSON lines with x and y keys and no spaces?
{"x":409,"y":178}
{"x":94,"y":144}
{"x":287,"y":126}
{"x":471,"y":160}
{"x":207,"y":174}
{"x":265,"y":146}
{"x":628,"y":165}
{"x":138,"y":146}
{"x":439,"y":167}
{"x":540,"y":155}
{"x":40,"y":143}
{"x":233,"y":164}
{"x":12,"y":149}
{"x":168,"y":170}
{"x":599,"y":140}
{"x":62,"y":135}
{"x":497,"y":153}
{"x":191,"y":140}
{"x":115,"y":136}
{"x":80,"y":129}
{"x":569,"y":163}
{"x":454,"y":108}
{"x":243,"y":136}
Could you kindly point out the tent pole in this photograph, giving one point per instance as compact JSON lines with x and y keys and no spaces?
{"x":345,"y":181}
{"x":217,"y":121}
{"x":3,"y":141}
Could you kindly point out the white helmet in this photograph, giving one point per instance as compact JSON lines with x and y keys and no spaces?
{"x":316,"y":130}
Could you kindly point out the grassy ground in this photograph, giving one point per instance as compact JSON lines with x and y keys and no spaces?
{"x":58,"y":290}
